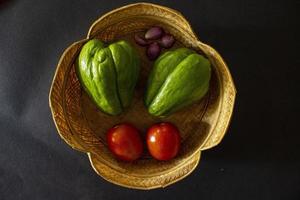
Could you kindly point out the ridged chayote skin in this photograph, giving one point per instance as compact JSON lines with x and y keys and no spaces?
{"x":178,"y":78}
{"x":108,"y":74}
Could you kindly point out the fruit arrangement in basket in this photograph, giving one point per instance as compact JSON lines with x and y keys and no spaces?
{"x":142,"y":96}
{"x":178,"y":78}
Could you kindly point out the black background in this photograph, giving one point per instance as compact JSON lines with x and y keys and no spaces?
{"x":258,"y":159}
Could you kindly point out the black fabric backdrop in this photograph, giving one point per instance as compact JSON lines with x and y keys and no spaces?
{"x":258,"y":159}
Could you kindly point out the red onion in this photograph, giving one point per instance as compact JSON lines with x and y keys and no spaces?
{"x":154,"y":33}
{"x":140,"y":41}
{"x":153,"y":51}
{"x":167,"y":41}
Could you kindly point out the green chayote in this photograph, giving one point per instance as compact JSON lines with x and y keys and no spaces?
{"x":178,"y":78}
{"x":108,"y":74}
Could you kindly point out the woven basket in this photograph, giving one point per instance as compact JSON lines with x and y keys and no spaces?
{"x":83,"y":126}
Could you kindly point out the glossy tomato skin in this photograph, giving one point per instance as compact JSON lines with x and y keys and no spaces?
{"x":125,"y":142}
{"x":163,"y":141}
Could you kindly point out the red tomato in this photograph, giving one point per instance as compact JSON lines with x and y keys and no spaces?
{"x":163,"y":141}
{"x":125,"y":142}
